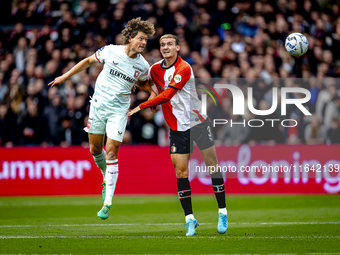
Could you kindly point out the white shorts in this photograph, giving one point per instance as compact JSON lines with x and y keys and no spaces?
{"x":102,"y":120}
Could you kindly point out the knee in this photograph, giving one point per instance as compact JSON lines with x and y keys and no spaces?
{"x":95,"y":150}
{"x":111,"y":155}
{"x":182,"y":172}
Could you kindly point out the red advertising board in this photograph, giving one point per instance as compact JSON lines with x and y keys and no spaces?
{"x":148,"y":170}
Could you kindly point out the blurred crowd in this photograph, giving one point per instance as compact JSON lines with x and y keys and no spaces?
{"x":223,"y":40}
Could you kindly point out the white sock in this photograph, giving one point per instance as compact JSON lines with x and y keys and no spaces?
{"x":100,"y":161}
{"x":223,"y":210}
{"x":189,"y":216}
{"x":111,"y":177}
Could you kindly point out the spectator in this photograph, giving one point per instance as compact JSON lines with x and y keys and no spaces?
{"x":332,"y":111}
{"x":333,"y":133}
{"x":315,"y":132}
{"x":32,"y":130}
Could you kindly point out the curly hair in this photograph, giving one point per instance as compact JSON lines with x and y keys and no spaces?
{"x":137,"y":25}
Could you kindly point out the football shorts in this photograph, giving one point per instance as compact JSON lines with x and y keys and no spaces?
{"x":103,"y":120}
{"x":181,"y":142}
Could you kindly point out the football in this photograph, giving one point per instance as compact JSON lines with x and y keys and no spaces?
{"x":296,"y":44}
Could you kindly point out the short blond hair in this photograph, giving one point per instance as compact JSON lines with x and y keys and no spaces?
{"x":137,"y":25}
{"x":170,"y":36}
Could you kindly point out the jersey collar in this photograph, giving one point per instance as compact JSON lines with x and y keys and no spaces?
{"x":131,"y":59}
{"x":167,"y":67}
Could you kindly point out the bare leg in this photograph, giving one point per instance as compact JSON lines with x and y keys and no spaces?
{"x":96,"y":144}
{"x":97,"y":151}
{"x":180,"y":162}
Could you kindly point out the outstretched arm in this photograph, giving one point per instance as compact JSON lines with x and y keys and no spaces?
{"x":162,"y":98}
{"x":82,"y":65}
{"x":146,"y":86}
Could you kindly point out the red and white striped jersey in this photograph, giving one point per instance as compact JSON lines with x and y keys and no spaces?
{"x":177,"y":94}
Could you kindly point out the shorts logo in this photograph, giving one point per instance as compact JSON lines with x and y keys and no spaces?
{"x":88,"y":124}
{"x":136,"y":74}
{"x":178,"y":78}
{"x":170,"y":78}
{"x":173,"y":148}
{"x":209,"y":133}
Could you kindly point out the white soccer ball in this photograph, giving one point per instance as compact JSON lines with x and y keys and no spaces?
{"x":296,"y":44}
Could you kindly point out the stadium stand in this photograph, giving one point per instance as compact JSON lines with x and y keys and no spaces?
{"x":41,"y":39}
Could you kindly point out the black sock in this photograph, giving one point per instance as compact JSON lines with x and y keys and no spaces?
{"x":184,"y":194}
{"x":218,"y":186}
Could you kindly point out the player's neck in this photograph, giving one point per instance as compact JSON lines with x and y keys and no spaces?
{"x":170,"y":61}
{"x":129,"y":52}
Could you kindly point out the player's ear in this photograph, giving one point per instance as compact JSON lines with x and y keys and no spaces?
{"x":178,"y":48}
{"x":129,"y":39}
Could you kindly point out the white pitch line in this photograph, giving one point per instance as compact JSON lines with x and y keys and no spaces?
{"x":168,"y":224}
{"x":171,"y":237}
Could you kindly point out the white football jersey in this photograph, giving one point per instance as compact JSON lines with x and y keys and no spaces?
{"x":119,"y":74}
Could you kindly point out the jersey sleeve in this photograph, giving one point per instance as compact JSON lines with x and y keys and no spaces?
{"x":101,"y":54}
{"x":162,"y":98}
{"x":181,"y":77}
{"x":143,"y":77}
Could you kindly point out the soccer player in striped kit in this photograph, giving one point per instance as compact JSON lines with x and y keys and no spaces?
{"x":123,"y":67}
{"x":180,"y":104}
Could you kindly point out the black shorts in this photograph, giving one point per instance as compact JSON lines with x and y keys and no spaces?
{"x":181,"y":142}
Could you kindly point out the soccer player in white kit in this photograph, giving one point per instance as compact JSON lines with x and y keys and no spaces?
{"x":124,"y":66}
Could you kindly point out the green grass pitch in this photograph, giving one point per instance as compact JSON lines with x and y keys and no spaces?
{"x":154,"y":225}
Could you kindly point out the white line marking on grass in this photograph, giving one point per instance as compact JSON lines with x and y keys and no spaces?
{"x":125,"y":202}
{"x":168,"y":224}
{"x":171,"y":237}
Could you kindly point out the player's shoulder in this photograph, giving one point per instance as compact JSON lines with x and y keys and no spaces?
{"x":157,"y":65}
{"x":144,"y":62}
{"x":182,"y":65}
{"x":115,"y":48}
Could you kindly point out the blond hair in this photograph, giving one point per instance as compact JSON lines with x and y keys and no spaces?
{"x":170,"y":36}
{"x":137,"y":25}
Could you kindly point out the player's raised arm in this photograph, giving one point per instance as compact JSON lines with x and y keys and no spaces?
{"x":82,"y":65}
{"x":162,"y":98}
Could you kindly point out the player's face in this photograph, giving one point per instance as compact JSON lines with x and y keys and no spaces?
{"x":138,"y":43}
{"x":169,"y":47}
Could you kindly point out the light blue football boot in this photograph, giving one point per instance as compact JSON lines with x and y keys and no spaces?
{"x":222,"y":223}
{"x":191,"y":225}
{"x":104,"y":212}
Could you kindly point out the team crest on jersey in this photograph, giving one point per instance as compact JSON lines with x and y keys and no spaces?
{"x":177,"y":78}
{"x":170,"y":78}
{"x":173,"y":148}
{"x":136,"y":74}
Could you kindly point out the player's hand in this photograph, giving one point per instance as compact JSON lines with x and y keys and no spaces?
{"x":130,"y":113}
{"x":57,"y":81}
{"x":133,"y":88}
